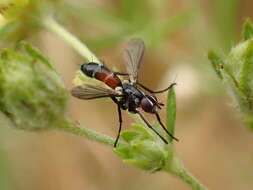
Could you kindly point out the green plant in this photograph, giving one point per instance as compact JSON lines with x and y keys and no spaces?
{"x":235,"y":72}
{"x":30,"y":108}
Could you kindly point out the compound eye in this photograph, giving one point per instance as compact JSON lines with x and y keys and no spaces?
{"x":147,"y":105}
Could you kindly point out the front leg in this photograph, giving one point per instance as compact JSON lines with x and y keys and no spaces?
{"x":150,"y":126}
{"x":120,"y":119}
{"x":164,"y":128}
{"x":155,"y":92}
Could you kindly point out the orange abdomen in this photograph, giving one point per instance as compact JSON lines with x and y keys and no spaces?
{"x":108,"y":78}
{"x":102,"y":73}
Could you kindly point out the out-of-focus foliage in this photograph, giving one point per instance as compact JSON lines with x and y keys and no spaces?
{"x":127,"y":18}
{"x":22,"y":18}
{"x":225,"y":14}
{"x":32,"y":93}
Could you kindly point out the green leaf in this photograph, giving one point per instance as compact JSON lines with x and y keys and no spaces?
{"x":144,"y":130}
{"x":138,"y":163}
{"x":36,"y":54}
{"x":123,"y":152}
{"x":216,"y":62}
{"x":171,"y":112}
{"x":236,"y":72}
{"x":245,"y":81}
{"x":144,"y":149}
{"x":247,"y":32}
{"x":129,"y":135}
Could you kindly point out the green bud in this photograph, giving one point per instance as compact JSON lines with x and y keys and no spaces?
{"x":32,"y":94}
{"x":144,"y":149}
{"x":236,"y":71}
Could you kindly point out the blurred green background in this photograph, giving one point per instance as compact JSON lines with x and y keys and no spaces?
{"x":214,"y":144}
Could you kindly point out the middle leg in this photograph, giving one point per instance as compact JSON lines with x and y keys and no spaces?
{"x":164,"y":128}
{"x":150,"y":126}
{"x":155,"y":92}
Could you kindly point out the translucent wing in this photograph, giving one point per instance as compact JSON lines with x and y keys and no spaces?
{"x":132,"y":56}
{"x":89,"y":91}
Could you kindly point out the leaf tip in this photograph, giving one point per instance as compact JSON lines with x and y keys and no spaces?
{"x":247,"y":31}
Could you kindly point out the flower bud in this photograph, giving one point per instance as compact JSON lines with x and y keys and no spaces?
{"x":32,"y":94}
{"x":235,"y":70}
{"x":145,"y":150}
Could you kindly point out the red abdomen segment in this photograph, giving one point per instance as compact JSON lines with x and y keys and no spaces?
{"x":108,"y":77}
{"x":102,"y":73}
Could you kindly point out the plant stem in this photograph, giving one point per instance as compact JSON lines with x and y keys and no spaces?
{"x":177,"y":169}
{"x":73,"y":128}
{"x":188,"y":178}
{"x":50,"y":24}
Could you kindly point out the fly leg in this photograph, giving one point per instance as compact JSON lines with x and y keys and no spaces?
{"x":150,"y":126}
{"x":120,"y":124}
{"x":155,"y":92}
{"x":120,"y":120}
{"x":164,"y":128}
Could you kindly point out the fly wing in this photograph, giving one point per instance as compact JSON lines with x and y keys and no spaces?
{"x":132,"y":56}
{"x":89,"y":91}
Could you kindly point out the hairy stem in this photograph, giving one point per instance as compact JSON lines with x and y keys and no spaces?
{"x":51,"y":25}
{"x":92,"y":135}
{"x":178,"y":170}
{"x":188,"y":178}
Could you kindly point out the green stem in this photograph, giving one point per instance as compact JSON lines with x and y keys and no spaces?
{"x":75,"y":129}
{"x":177,"y":168}
{"x":51,"y":25}
{"x":189,"y":179}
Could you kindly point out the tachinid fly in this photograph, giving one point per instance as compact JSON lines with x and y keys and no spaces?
{"x":128,"y":95}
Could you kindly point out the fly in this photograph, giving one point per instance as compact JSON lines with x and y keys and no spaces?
{"x":128,"y":95}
